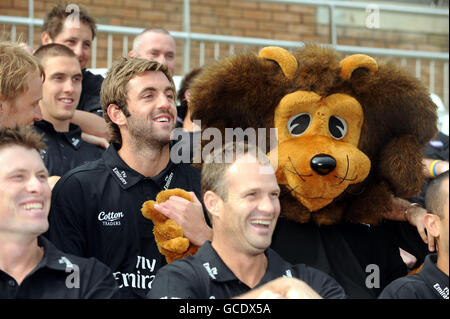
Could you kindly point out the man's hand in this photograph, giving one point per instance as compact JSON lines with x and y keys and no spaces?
{"x":402,"y":210}
{"x":189,"y":215}
{"x":52,"y":180}
{"x":282,"y":288}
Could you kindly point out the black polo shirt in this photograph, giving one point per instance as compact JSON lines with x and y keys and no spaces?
{"x":90,"y":93}
{"x":96,"y":212}
{"x":61,"y":276}
{"x":205,"y":276}
{"x":429,"y":283}
{"x":65,"y":150}
{"x":363,"y":259}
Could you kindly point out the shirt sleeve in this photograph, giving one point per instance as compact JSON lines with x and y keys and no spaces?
{"x":66,"y":222}
{"x":177,"y":280}
{"x":326,"y":286}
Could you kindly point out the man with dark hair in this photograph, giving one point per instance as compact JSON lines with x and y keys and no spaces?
{"x":432,"y":282}
{"x":238,"y":258}
{"x":60,"y":94}
{"x":30,"y":266}
{"x":96,"y":207}
{"x":72,"y":26}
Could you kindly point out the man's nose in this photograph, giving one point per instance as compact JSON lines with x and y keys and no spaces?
{"x":68,"y":86}
{"x":267,"y":205}
{"x":78,"y":50}
{"x":34,"y":185}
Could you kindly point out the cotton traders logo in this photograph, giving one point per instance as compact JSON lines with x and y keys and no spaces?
{"x":110,"y":218}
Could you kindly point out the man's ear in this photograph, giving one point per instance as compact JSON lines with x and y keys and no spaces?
{"x":116,"y":115}
{"x":432,"y":223}
{"x":132,"y":53}
{"x":211,"y":201}
{"x":45,"y":38}
{"x":4,"y":104}
{"x":187,"y":95}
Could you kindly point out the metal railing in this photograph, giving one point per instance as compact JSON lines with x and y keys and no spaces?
{"x":232,"y":41}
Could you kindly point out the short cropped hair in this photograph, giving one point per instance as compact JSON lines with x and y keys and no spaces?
{"x":53,"y":50}
{"x":21,"y":136}
{"x":15,"y":66}
{"x":54,"y":20}
{"x":115,"y":87}
{"x":216,"y":164}
{"x":435,"y":197}
{"x":137,"y":39}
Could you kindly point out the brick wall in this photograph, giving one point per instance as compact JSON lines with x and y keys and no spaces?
{"x":236,"y":18}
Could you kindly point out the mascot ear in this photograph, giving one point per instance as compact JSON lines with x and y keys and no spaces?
{"x":356,"y":61}
{"x":285,"y":60}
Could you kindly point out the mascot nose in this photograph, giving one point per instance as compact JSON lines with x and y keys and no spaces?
{"x":323,"y":164}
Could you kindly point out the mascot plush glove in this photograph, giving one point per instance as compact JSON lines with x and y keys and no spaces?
{"x":168,"y":234}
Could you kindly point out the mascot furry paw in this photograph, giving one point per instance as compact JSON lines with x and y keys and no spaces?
{"x":350,"y":135}
{"x":168,"y":234}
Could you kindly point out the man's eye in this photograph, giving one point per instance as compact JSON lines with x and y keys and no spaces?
{"x":17,"y":177}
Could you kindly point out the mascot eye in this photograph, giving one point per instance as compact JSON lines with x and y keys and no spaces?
{"x":337,"y":127}
{"x":298,"y":124}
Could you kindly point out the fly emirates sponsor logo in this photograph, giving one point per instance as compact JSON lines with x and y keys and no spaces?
{"x":110,"y":218}
{"x":143,"y":276}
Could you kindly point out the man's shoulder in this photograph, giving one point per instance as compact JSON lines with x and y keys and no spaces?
{"x":188,"y":168}
{"x":408,"y":287}
{"x":58,"y":259}
{"x":186,"y":266}
{"x":90,"y":77}
{"x":85,"y":173}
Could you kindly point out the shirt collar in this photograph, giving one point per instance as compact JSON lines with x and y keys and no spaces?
{"x":218,"y":271}
{"x":434,"y":277}
{"x":213,"y":264}
{"x":73,"y":137}
{"x":53,"y":258}
{"x":127,"y":177}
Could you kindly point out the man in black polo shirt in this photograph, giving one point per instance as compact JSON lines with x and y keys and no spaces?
{"x":73,"y":26}
{"x":60,"y":94}
{"x":30,"y":266}
{"x":96,"y":207}
{"x":244,"y":216}
{"x":432,"y":282}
